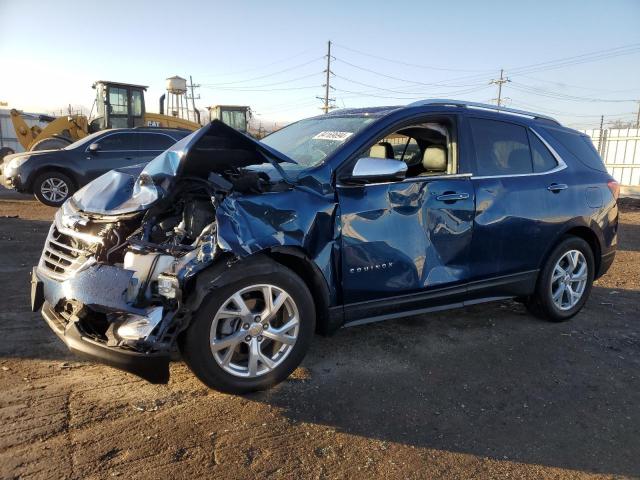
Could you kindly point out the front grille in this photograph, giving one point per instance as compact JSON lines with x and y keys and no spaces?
{"x":63,"y":254}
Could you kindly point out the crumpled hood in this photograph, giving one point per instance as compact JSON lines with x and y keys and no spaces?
{"x":213,"y":148}
{"x":113,"y":193}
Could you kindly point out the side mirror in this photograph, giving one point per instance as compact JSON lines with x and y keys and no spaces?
{"x":368,"y":169}
{"x":94,"y":147}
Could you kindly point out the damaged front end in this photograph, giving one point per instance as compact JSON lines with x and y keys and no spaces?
{"x":121,"y":257}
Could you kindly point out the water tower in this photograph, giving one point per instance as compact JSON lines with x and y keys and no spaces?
{"x":177,"y":104}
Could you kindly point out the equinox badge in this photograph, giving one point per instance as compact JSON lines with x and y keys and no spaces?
{"x":371,"y":268}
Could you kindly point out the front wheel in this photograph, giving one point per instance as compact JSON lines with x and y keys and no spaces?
{"x":53,"y":188}
{"x":565,"y":281}
{"x":250,"y":335}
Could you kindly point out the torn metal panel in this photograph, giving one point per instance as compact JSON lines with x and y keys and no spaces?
{"x":250,"y":224}
{"x":100,"y":287}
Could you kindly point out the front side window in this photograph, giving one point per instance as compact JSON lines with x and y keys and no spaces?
{"x":118,"y":142}
{"x":154,"y":141}
{"x":118,"y":101}
{"x":502,"y":148}
{"x":235,"y":119}
{"x":427,"y":148}
{"x":136,"y":103}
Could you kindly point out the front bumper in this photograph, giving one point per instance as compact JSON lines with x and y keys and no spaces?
{"x":153,"y":367}
{"x":11,"y":180}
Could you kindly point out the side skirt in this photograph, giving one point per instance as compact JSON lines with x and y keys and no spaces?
{"x":498,"y":288}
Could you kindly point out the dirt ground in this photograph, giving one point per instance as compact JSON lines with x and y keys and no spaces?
{"x":482,"y":392}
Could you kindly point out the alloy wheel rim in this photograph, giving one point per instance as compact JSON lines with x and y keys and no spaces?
{"x":254,"y":330}
{"x":569,"y":279}
{"x":54,"y":189}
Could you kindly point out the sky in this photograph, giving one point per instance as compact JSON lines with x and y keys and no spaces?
{"x":574,"y":60}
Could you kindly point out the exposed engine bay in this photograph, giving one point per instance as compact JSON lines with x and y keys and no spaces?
{"x":162,"y":248}
{"x":131,"y":257}
{"x":121,"y":254}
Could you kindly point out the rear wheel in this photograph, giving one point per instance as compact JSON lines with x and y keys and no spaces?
{"x":565,"y":281}
{"x":250,"y":335}
{"x":52,"y":143}
{"x":4,"y":151}
{"x":53,"y":188}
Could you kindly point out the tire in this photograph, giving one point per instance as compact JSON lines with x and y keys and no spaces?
{"x":551,"y":278}
{"x":198,"y":343}
{"x":53,"y":188}
{"x":4,"y":151}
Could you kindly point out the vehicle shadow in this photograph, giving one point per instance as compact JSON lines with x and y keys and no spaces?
{"x":491,"y":381}
{"x":629,"y":237}
{"x":23,"y":334}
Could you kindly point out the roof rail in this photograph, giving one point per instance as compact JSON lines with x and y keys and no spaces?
{"x":482,"y":106}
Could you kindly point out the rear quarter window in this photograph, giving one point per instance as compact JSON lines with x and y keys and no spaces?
{"x":580,"y":147}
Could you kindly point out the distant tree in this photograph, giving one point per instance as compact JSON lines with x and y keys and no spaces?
{"x":621,"y":124}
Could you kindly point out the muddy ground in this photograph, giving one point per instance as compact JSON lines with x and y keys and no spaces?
{"x":483,"y":392}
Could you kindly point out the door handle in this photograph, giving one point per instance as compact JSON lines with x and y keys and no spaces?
{"x":556,"y":187}
{"x":452,"y":197}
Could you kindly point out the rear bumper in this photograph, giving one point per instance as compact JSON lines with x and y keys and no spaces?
{"x":606,"y":261}
{"x":153,"y":367}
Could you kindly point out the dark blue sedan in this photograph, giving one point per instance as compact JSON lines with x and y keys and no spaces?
{"x":54,"y":175}
{"x":238,"y":250}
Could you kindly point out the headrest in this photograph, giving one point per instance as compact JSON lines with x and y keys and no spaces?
{"x":381,"y":150}
{"x":434,"y":158}
{"x":519,"y":160}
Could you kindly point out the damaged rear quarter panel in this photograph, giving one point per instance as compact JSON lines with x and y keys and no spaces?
{"x":249,"y":224}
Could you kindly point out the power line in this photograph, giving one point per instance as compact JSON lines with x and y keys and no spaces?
{"x":261,"y":67}
{"x":260,"y":89}
{"x":577,"y":59}
{"x":563,"y":84}
{"x":399,"y":62}
{"x":267,"y":75}
{"x":241,"y":87}
{"x":563,"y":96}
{"x":416,"y":96}
{"x":401,"y":91}
{"x":541,"y":66}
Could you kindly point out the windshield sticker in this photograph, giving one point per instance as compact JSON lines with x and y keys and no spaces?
{"x":335,"y":136}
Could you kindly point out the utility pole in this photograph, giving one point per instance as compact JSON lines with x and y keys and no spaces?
{"x":499,"y":82}
{"x":638,"y":116}
{"x":196,"y":113}
{"x":600,"y":140}
{"x":326,"y":107}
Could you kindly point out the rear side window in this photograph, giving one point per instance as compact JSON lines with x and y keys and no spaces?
{"x":118,"y":141}
{"x":580,"y":146}
{"x":543,"y":160}
{"x":501,"y":148}
{"x":155,"y":141}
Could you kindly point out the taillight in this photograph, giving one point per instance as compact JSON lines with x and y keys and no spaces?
{"x":615,"y":188}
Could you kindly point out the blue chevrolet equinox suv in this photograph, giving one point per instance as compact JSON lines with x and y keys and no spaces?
{"x":235,"y":251}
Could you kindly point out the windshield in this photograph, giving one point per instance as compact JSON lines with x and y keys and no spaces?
{"x":235,"y":119}
{"x":310,"y":141}
{"x":83,"y":141}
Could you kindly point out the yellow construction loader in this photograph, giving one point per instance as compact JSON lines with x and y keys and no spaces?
{"x":118,"y":105}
